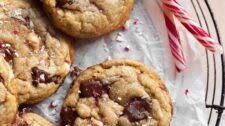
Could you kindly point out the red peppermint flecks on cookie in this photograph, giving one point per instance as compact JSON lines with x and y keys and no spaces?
{"x":15,"y":32}
{"x":1,"y":44}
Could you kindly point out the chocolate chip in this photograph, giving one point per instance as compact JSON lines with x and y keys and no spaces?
{"x":7,"y":50}
{"x":24,"y":109}
{"x":1,"y":79}
{"x":68,"y":116}
{"x":137,"y":109}
{"x":40,"y":76}
{"x":24,"y":124}
{"x":61,"y":3}
{"x":8,"y":54}
{"x":91,"y":88}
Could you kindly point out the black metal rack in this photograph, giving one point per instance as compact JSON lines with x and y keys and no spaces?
{"x":220,"y":108}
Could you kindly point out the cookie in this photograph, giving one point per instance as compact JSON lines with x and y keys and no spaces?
{"x":117,"y":93}
{"x":39,"y":55}
{"x":8,"y":94}
{"x":31,"y":119}
{"x":88,"y":18}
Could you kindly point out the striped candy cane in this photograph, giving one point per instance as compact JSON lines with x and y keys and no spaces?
{"x":200,"y":34}
{"x":174,"y":42}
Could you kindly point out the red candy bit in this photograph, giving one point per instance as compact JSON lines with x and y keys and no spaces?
{"x":125,"y":26}
{"x":127,"y":49}
{"x":186,"y":91}
{"x":52,"y":105}
{"x":136,"y":21}
{"x":1,"y":44}
{"x":15,"y":31}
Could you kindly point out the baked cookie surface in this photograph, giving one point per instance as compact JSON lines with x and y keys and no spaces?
{"x":8,"y":94}
{"x":117,"y":93}
{"x":88,"y":18}
{"x":31,"y":119}
{"x":39,"y":56}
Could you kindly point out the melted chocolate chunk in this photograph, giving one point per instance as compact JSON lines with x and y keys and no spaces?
{"x":61,"y":3}
{"x":92,"y":88}
{"x":7,"y":50}
{"x":24,"y":124}
{"x":23,"y":110}
{"x":68,"y":116}
{"x":40,"y":76}
{"x":137,"y":109}
{"x":8,"y":54}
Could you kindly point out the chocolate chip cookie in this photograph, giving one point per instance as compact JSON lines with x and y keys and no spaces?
{"x":39,"y":55}
{"x":88,"y":18}
{"x":117,"y":93}
{"x":8,"y":94}
{"x":31,"y":119}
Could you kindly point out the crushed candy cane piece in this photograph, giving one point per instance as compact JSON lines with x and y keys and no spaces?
{"x":52,"y":104}
{"x":186,"y":91}
{"x":126,"y":26}
{"x":15,"y":32}
{"x":127,"y":49}
{"x":136,"y":21}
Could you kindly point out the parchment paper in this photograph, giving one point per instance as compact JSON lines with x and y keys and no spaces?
{"x":145,"y":40}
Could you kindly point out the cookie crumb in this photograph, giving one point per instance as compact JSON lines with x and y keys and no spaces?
{"x":119,"y":38}
{"x":109,"y":58}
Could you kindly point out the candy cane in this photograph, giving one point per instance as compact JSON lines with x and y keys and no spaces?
{"x":199,"y":33}
{"x":174,"y":42}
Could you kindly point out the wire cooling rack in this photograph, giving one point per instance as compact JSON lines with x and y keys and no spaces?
{"x":215,"y":69}
{"x":208,"y":15}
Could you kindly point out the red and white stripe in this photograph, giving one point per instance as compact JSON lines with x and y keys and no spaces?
{"x":199,"y":33}
{"x":174,"y":42}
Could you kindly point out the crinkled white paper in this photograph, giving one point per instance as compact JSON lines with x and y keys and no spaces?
{"x":144,"y":39}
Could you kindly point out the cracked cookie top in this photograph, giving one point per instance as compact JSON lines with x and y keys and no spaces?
{"x":39,"y":56}
{"x":8,"y":94}
{"x":117,"y":93}
{"x":88,"y":18}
